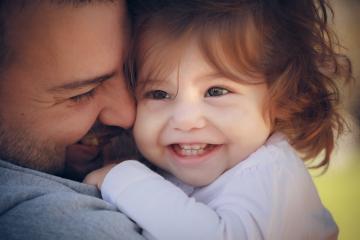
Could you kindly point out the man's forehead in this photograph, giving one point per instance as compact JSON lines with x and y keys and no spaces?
{"x":73,"y":43}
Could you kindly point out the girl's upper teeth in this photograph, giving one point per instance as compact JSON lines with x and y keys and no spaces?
{"x":193,"y":146}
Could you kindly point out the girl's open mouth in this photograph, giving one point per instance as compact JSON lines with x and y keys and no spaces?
{"x":192,"y":150}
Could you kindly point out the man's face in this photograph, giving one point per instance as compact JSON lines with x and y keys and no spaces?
{"x":65,"y":77}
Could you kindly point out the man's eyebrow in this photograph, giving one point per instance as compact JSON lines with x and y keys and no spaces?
{"x":82,"y":83}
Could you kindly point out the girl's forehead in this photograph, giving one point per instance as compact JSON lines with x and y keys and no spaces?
{"x":159,"y":57}
{"x":228,"y":53}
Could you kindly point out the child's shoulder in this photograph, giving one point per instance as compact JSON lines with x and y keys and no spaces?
{"x":275,"y":153}
{"x":274,"y":163}
{"x":274,"y":169}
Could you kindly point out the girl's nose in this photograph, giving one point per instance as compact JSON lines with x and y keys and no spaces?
{"x":187,"y":117}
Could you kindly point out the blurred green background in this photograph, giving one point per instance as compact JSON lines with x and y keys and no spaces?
{"x":339,"y":187}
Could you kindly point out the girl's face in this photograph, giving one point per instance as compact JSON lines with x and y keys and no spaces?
{"x":196,"y":123}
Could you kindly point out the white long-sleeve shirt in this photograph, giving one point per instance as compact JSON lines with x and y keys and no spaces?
{"x":270,"y":195}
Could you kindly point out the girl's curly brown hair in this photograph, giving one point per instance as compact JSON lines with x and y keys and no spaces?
{"x":288,"y":41}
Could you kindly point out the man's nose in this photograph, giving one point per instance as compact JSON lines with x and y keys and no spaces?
{"x":118,"y":106}
{"x":187,"y":116}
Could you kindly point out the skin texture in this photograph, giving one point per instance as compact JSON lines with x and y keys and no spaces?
{"x":195,"y":105}
{"x":65,"y":80}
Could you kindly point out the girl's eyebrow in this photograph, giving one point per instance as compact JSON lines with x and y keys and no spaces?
{"x":146,"y":83}
{"x":201,"y":78}
{"x":246,"y":79}
{"x":149,"y":80}
{"x":212,"y":76}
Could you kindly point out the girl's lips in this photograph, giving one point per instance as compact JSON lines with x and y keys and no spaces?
{"x":190,"y":154}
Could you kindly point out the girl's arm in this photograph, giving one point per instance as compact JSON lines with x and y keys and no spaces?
{"x":269,"y":201}
{"x":163,"y":210}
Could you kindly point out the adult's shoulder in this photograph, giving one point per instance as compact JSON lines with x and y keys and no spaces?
{"x":35,"y":205}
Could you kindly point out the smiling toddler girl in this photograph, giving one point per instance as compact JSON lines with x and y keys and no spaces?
{"x":232,"y":98}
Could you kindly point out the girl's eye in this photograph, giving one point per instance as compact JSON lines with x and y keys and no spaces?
{"x":83,"y":97}
{"x":157,"y":94}
{"x":216,"y":92}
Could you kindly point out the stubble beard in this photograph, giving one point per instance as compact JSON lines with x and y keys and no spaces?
{"x":19,"y":147}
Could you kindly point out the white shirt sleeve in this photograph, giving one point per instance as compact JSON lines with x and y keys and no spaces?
{"x":163,"y":210}
{"x":269,"y":196}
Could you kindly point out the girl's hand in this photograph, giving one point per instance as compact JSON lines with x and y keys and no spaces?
{"x":96,"y":177}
